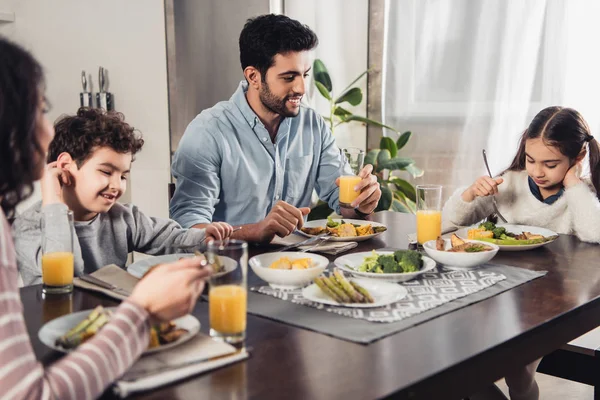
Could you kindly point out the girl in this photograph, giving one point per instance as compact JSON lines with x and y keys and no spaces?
{"x":542,"y":188}
{"x":168,"y":292}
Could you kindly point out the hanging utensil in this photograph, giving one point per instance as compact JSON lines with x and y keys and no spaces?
{"x":104,"y":99}
{"x":85,"y":97}
{"x":493,"y":197}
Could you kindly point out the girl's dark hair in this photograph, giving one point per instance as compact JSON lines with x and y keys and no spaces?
{"x":565,"y":129}
{"x":91,"y":128}
{"x":21,"y":85}
{"x":267,"y":35}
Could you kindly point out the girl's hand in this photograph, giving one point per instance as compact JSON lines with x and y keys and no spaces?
{"x":483,"y":186}
{"x":170,"y":291}
{"x":572,"y":176}
{"x":218,"y":231}
{"x":52,"y":183}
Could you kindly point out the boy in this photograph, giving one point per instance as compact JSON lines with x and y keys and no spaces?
{"x":89,"y":162}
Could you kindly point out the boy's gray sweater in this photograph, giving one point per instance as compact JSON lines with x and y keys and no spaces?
{"x":106,"y":239}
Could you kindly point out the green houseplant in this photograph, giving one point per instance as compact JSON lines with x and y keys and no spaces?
{"x":397,"y":194}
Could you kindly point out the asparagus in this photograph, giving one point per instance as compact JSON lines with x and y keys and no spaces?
{"x":348,"y":288}
{"x":330,"y":282}
{"x":364,"y":292}
{"x":321,"y":284}
{"x":80,"y":327}
{"x":97,"y":318}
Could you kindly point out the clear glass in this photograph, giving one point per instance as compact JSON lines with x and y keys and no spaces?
{"x":354,"y":158}
{"x":57,"y":251}
{"x":227,"y":292}
{"x":429,"y":212}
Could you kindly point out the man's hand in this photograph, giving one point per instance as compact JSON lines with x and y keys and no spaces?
{"x":370,"y":192}
{"x":283,"y":219}
{"x":52,"y":183}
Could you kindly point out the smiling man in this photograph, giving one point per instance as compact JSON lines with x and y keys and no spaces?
{"x":254,"y":160}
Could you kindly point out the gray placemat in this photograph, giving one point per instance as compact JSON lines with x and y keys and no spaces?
{"x":363,"y":331}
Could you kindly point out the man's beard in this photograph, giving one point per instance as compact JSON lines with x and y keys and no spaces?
{"x":275,"y":104}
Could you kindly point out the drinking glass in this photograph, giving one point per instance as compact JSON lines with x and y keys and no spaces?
{"x":57,"y":251}
{"x":227,"y":292}
{"x":429,"y":212}
{"x":354,"y":158}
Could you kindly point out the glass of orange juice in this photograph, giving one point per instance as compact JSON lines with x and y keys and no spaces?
{"x":57,"y":251}
{"x":227,"y":291}
{"x":429,"y":212}
{"x":352,"y":162}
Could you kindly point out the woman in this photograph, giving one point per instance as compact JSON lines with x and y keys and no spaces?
{"x":170,"y":291}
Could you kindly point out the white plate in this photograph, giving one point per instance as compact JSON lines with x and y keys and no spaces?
{"x":351,"y":262}
{"x":383,"y":293}
{"x":57,"y":327}
{"x":287,"y":279}
{"x":139,"y":268}
{"x":323,"y":222}
{"x":517,"y":229}
{"x":460,"y":261}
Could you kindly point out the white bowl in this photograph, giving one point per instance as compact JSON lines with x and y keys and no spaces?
{"x":287,"y":279}
{"x":460,"y":260}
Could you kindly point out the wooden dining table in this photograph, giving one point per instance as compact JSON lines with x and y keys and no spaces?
{"x":448,"y":357}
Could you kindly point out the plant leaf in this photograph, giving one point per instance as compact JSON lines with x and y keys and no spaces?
{"x":321,"y":75}
{"x":396,"y":163}
{"x":341,"y":111}
{"x":388,"y":143}
{"x":320,"y":211}
{"x":386,"y":198}
{"x":414,"y":171}
{"x":371,"y":157}
{"x":356,"y":80}
{"x":399,"y":207}
{"x":404,"y":187}
{"x":403,"y":139}
{"x":368,"y":121}
{"x":353,"y":96}
{"x":383,"y":156}
{"x":322,"y":90}
{"x":407,"y":203}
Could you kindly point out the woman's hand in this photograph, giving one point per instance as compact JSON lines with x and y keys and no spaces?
{"x":218,"y":231}
{"x":572,"y":176}
{"x":52,"y":183}
{"x":482,"y":187}
{"x":170,"y":291}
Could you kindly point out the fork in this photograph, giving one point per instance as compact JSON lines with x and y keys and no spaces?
{"x":321,"y":240}
{"x":493,"y":198}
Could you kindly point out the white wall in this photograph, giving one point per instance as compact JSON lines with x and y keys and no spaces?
{"x":128,"y":39}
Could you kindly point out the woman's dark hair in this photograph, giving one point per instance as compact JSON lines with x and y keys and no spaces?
{"x":267,"y":35}
{"x":565,"y":129}
{"x":80,"y":134}
{"x":21,"y":85}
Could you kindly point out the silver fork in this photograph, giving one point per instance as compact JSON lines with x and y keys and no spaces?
{"x":493,"y":198}
{"x":321,"y":240}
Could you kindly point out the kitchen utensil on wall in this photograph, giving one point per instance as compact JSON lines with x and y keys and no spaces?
{"x":104,"y":99}
{"x":85,"y":97}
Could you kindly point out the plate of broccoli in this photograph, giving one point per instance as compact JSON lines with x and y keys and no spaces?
{"x":393,"y":266}
{"x":509,"y":237}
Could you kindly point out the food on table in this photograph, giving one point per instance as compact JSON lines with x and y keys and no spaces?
{"x":287,"y":263}
{"x":342,"y":290}
{"x":343,"y":229}
{"x":489,"y":232}
{"x":160,"y":334}
{"x":460,"y":246}
{"x":401,"y":261}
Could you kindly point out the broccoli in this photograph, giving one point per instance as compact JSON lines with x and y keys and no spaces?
{"x":411,"y":261}
{"x":498,"y":232}
{"x":389,"y":265}
{"x":398,"y":254}
{"x":488,"y":226}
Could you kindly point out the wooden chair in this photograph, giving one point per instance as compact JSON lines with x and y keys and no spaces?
{"x":578,"y":361}
{"x":171,"y":190}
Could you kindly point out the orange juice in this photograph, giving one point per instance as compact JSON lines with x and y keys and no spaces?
{"x":227,"y":309}
{"x":347,"y":192}
{"x":429,"y":225}
{"x":57,"y":268}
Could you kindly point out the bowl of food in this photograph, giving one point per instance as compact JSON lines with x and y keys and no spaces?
{"x":456,"y":253}
{"x":288,"y":270}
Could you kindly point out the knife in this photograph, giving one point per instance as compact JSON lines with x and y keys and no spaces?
{"x":304,"y":242}
{"x":103,"y":284}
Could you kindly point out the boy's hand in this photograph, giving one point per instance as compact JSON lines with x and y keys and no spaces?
{"x":52,"y":183}
{"x":218,"y":231}
{"x":483,"y":186}
{"x":572,"y":176}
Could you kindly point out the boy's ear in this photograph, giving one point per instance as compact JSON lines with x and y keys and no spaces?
{"x":65,"y":161}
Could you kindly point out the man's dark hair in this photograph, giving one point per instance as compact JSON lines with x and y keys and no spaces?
{"x":81,"y":134}
{"x":267,"y":35}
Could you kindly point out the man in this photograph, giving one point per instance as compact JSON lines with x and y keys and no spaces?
{"x":254,"y":160}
